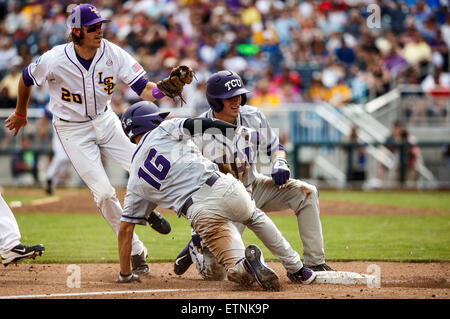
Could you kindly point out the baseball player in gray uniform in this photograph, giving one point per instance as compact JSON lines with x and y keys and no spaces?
{"x":226,"y":96}
{"x":169,"y":170}
{"x":81,"y":77}
{"x":11,"y":249}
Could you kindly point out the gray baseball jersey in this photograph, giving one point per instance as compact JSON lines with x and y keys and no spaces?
{"x":168,"y":169}
{"x":243,"y":157}
{"x":168,"y":147}
{"x":240,"y":160}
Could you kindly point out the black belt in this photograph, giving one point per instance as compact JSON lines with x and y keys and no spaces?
{"x":188,"y":203}
{"x":106,"y":108}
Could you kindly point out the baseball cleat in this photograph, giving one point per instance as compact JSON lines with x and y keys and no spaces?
{"x":265,"y":276}
{"x":21,"y":252}
{"x":304,"y":276}
{"x":321,"y":267}
{"x":49,"y":187}
{"x":139,"y":263}
{"x":183,"y":261}
{"x":159,"y":223}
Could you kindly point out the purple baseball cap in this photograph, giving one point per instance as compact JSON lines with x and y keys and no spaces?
{"x":85,"y":15}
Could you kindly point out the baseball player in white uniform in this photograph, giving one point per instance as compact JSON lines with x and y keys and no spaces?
{"x":82,"y":76}
{"x":226,"y":96}
{"x":11,"y":249}
{"x":169,"y":170}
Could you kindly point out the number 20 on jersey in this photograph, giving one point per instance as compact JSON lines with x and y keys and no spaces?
{"x":67,"y":96}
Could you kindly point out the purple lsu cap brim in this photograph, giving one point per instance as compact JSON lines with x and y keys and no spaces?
{"x":95,"y":21}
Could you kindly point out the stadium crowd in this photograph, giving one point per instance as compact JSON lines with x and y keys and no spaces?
{"x":286,"y":51}
{"x":341,"y":51}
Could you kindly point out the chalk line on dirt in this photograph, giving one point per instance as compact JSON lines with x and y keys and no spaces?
{"x":99,"y":293}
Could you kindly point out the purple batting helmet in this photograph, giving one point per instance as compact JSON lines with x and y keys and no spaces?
{"x":223,"y":85}
{"x":140,"y":118}
{"x":85,"y":15}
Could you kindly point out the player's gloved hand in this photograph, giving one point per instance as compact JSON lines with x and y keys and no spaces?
{"x":173,"y":85}
{"x":128,"y":278}
{"x":280,"y":171}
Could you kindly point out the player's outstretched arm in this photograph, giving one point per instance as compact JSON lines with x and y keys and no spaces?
{"x":148,"y":93}
{"x":19,"y":117}
{"x":125,"y":237}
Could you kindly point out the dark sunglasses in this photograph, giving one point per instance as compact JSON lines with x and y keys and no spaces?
{"x":93,"y":28}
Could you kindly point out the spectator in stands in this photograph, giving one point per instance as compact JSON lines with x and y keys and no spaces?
{"x":24,"y":168}
{"x":6,"y":101}
{"x":8,"y":52}
{"x":437,"y":87}
{"x":357,"y":82}
{"x":445,"y":30}
{"x":340,"y":94}
{"x":393,"y":62}
{"x":411,"y":158}
{"x":345,"y":54}
{"x":262,"y":97}
{"x":356,"y":160}
{"x":12,"y":78}
{"x":416,"y":50}
{"x":318,"y":92}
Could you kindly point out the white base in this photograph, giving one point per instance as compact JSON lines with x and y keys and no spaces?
{"x":343,"y":278}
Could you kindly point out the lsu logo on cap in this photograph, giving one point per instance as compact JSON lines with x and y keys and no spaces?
{"x":94,"y":9}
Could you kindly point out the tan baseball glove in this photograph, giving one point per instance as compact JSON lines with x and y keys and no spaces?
{"x":173,"y":85}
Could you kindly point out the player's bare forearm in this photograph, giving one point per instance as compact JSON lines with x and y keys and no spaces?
{"x":18,"y":118}
{"x":124,"y":239}
{"x":147,"y":93}
{"x":23,"y":98}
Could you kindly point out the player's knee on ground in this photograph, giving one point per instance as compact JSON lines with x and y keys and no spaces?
{"x":212,"y":270}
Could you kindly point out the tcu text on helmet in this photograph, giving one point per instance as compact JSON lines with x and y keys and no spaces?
{"x":233,"y":83}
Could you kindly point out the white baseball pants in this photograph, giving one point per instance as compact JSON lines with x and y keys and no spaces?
{"x":9,"y":230}
{"x":84,"y":143}
{"x":59,"y":164}
{"x":303,"y":199}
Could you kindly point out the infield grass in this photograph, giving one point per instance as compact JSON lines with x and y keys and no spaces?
{"x":80,"y":238}
{"x":409,"y":199}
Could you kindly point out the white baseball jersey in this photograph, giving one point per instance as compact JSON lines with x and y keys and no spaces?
{"x":77,"y":94}
{"x":80,"y":94}
{"x":166,"y":148}
{"x":242,"y":166}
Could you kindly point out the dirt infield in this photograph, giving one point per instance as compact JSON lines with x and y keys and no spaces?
{"x":398,"y":280}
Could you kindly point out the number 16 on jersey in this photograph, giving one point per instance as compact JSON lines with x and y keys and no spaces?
{"x":158,"y":171}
